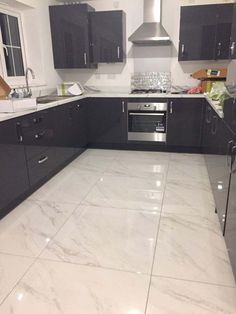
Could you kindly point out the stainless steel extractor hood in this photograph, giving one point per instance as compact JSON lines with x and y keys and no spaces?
{"x":151,"y":32}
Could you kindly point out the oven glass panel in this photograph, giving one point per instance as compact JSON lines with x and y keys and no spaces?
{"x":147,"y":122}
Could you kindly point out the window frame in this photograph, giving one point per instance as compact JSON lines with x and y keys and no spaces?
{"x":13,"y":80}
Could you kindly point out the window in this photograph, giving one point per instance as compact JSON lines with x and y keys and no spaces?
{"x":12,"y":55}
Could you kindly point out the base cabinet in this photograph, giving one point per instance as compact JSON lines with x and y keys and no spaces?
{"x":218,"y":141}
{"x":230,"y":232}
{"x":14,"y":180}
{"x":107,"y":123}
{"x":184,"y":125}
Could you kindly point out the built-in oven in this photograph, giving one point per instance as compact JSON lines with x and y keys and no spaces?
{"x":147,"y":121}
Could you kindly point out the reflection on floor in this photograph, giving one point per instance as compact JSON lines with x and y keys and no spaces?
{"x":118,"y":232}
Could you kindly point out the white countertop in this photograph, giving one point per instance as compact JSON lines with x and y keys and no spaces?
{"x":7,"y":116}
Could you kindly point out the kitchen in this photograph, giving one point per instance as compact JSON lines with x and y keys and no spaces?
{"x":112,"y":201}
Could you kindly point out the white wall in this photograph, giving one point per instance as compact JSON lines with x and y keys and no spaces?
{"x":39,"y":49}
{"x":37,"y":41}
{"x":145,"y":58}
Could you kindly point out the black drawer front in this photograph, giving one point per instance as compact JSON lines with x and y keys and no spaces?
{"x":42,"y":165}
{"x":36,"y":121}
{"x":36,"y":141}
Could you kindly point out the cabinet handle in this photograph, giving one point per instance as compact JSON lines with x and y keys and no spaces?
{"x":229,"y":154}
{"x":182,"y":50}
{"x":85,"y":58}
{"x":208,"y":115}
{"x":232,"y":48}
{"x":123,"y":106}
{"x":233,"y":158}
{"x":38,"y":136}
{"x":43,"y":160}
{"x":171,"y":107}
{"x":219,"y":49}
{"x":214,"y":126}
{"x":118,"y":52}
{"x":37,"y":120}
{"x":19,"y":132}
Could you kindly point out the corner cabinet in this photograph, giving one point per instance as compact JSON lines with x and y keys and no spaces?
{"x":184,"y":122}
{"x":205,"y":32}
{"x":108,"y":36}
{"x":70,"y":36}
{"x":14,"y":182}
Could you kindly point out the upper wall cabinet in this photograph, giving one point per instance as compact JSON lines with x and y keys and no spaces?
{"x":205,"y":32}
{"x":108,"y":36}
{"x":70,"y":36}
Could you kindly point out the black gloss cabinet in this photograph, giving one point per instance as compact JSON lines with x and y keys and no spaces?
{"x":14,"y":182}
{"x":70,"y":36}
{"x":108,"y":40}
{"x":107,"y":122}
{"x":218,"y":141}
{"x":184,"y":125}
{"x":205,"y":32}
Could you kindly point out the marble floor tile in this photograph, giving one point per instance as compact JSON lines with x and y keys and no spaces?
{"x":29,"y":228}
{"x":138,"y":168}
{"x":187,"y":159}
{"x":92,"y":163}
{"x":126,"y":192}
{"x":134,"y":155}
{"x":106,"y":237}
{"x":189,"y":199}
{"x":12,"y":268}
{"x":101,"y":152}
{"x":192,"y":248}
{"x":70,"y":185}
{"x":170,"y":296}
{"x":185,"y":173}
{"x":56,"y":288}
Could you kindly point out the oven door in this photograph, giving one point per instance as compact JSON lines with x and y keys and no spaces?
{"x":147,"y":126}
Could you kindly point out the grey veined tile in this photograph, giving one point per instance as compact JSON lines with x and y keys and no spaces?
{"x":29,"y":228}
{"x":118,"y":239}
{"x":187,"y":168}
{"x":192,"y":248}
{"x":12,"y":268}
{"x":126,"y":192}
{"x":170,"y":296}
{"x":87,"y":162}
{"x":56,"y":288}
{"x":70,"y":185}
{"x":189,"y":199}
{"x":138,"y":168}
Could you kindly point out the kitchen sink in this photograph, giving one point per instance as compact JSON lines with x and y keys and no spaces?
{"x":51,"y":98}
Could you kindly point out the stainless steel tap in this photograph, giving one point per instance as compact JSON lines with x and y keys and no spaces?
{"x":28,"y":92}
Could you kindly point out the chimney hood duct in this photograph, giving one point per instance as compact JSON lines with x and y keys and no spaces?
{"x":151,"y":32}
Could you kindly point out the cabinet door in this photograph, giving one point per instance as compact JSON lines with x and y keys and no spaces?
{"x":63,"y":128}
{"x":184,"y":122}
{"x":13,"y":171}
{"x":70,"y":36}
{"x":197,"y":32}
{"x":230,"y":231}
{"x":80,"y":125}
{"x":233,"y":35}
{"x":107,"y":121}
{"x":108,"y":36}
{"x":223,"y":30}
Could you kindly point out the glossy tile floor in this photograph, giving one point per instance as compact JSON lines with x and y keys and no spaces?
{"x":118,"y":232}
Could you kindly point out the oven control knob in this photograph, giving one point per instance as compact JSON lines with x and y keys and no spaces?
{"x":147,"y":106}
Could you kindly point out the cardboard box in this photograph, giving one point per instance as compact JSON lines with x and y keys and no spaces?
{"x":5,"y":89}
